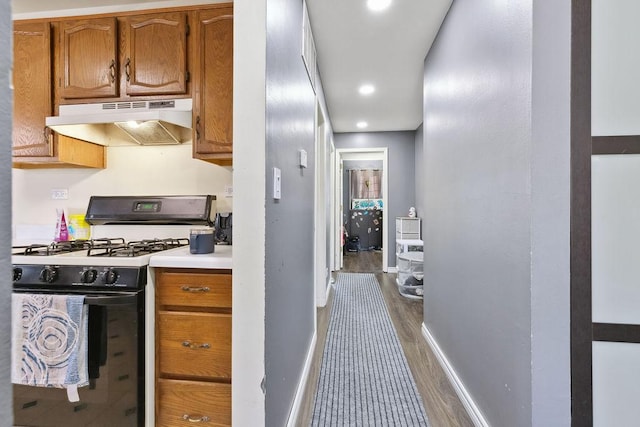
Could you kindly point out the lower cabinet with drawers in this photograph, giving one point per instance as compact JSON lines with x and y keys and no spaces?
{"x":193,"y":347}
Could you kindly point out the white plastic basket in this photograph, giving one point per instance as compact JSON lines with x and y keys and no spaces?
{"x":410,"y":273}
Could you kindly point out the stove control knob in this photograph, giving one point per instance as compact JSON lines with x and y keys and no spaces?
{"x":48,"y":275}
{"x":89,"y":276}
{"x":17,"y":274}
{"x":110,"y":276}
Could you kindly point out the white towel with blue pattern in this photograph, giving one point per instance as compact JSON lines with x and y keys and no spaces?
{"x":49,"y":341}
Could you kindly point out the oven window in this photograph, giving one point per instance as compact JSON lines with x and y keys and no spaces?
{"x":115,"y":394}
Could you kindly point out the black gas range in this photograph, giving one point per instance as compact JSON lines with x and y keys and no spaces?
{"x":111,"y":274}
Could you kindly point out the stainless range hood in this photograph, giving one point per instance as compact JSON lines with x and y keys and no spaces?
{"x":159,"y":122}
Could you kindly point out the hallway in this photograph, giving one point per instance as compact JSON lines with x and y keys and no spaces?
{"x":441,"y":402}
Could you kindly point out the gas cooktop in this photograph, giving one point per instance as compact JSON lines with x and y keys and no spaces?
{"x":109,"y":247}
{"x":97,"y":252}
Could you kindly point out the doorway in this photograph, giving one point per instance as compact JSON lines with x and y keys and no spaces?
{"x":365,"y":219}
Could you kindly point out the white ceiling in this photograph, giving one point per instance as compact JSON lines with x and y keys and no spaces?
{"x":386,"y":49}
{"x":354,"y":46}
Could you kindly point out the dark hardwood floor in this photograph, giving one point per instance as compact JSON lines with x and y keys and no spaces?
{"x":443,"y":407}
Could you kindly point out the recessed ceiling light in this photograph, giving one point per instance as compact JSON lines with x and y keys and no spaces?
{"x":366,"y":89}
{"x":378,"y":5}
{"x":362,"y":125}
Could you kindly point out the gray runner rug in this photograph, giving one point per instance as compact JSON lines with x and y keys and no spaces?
{"x":364,"y":378}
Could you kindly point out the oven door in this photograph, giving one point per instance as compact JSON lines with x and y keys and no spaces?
{"x":115,"y":394}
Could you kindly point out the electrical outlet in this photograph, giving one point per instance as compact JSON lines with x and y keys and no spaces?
{"x":59,"y":194}
{"x":228,"y":191}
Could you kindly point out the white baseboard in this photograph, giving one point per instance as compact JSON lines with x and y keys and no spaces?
{"x":392,"y":270}
{"x":322,"y":302}
{"x":297,"y":401}
{"x":466,"y":399}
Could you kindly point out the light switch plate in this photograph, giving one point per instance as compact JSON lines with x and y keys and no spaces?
{"x":303,"y":158}
{"x":277,"y":184}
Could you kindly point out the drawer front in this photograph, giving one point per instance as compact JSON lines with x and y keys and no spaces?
{"x":183,"y":403}
{"x":408,"y":225}
{"x":407,"y":236}
{"x":194,"y":290}
{"x":194,"y":344}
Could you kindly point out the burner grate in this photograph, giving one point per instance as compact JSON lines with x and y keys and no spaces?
{"x":53,"y":248}
{"x":103,"y":247}
{"x":136,"y":248}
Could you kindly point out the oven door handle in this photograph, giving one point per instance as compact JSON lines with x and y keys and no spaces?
{"x":111,"y":300}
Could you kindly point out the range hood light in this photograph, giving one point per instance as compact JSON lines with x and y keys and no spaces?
{"x":150,"y":132}
{"x":132,"y":124}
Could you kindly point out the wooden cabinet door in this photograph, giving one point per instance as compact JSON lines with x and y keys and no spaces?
{"x":194,"y":345}
{"x":156,"y":58}
{"x":199,"y":290}
{"x":32,"y":99}
{"x":88,"y":58}
{"x":179,"y":403}
{"x":213,"y":109}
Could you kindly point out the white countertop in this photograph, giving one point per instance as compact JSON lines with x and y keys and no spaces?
{"x":182,"y":258}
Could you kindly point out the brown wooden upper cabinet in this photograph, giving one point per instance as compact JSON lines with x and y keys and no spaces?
{"x":213,"y":101}
{"x":155,"y":61}
{"x":33,"y":145}
{"x":32,"y":98}
{"x":88,"y":62}
{"x":152,"y":59}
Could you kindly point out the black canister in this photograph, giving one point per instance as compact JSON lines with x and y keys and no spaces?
{"x":201,"y":241}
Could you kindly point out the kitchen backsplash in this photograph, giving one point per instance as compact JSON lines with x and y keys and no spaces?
{"x":131,"y":170}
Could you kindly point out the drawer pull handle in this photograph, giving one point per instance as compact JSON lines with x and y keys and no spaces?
{"x":195,"y":346}
{"x":202,"y":419}
{"x":196,"y":288}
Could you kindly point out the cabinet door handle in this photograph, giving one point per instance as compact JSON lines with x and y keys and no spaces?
{"x":47,"y":134}
{"x":112,"y":71}
{"x":196,"y":419}
{"x":127,"y":68}
{"x":195,"y":288}
{"x":198,"y":128}
{"x":195,"y":346}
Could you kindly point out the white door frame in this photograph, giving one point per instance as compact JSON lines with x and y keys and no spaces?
{"x":336,"y":208}
{"x":332,"y":186}
{"x":381,"y":153}
{"x":321,"y":181}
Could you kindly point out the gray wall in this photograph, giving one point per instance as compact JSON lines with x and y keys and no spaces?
{"x":401,"y":150}
{"x":477,"y":185}
{"x":496,"y":199}
{"x":290,"y":304}
{"x":6,"y":416}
